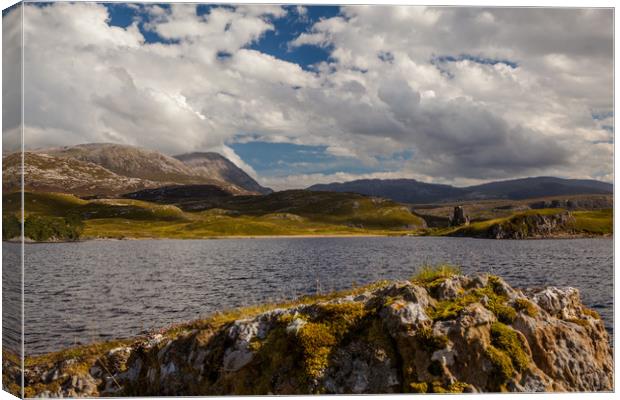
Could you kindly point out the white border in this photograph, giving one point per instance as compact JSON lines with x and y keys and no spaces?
{"x":484,"y":3}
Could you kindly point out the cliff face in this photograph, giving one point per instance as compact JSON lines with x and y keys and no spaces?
{"x":435,"y":334}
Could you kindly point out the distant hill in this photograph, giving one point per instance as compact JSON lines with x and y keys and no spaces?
{"x":218,"y":167}
{"x":412,"y":191}
{"x":134,"y":168}
{"x":544,"y":186}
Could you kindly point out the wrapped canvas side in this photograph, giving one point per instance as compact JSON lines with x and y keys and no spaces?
{"x":12,"y":207}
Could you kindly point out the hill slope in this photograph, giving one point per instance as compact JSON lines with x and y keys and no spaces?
{"x":215,"y":166}
{"x":412,"y":191}
{"x":45,"y":173}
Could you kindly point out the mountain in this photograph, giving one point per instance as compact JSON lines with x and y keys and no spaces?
{"x":219,"y":167}
{"x":45,"y":173}
{"x":527,"y":188}
{"x":153,"y":166}
{"x":412,"y":191}
{"x":401,"y":190}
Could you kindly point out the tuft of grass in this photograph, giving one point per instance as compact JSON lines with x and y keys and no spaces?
{"x":429,"y":273}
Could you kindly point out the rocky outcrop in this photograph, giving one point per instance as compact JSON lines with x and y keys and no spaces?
{"x":532,"y":226}
{"x":441,"y":333}
{"x":522,"y":226}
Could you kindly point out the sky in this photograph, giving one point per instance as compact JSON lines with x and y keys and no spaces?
{"x":298,"y":95}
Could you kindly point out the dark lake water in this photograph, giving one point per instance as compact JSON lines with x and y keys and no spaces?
{"x":79,"y":292}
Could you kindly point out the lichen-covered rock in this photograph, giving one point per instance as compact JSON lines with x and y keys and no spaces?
{"x":444,"y":334}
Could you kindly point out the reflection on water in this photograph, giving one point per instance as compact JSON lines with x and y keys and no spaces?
{"x":79,"y":292}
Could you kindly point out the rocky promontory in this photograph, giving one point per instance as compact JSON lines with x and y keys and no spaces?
{"x":438,"y":332}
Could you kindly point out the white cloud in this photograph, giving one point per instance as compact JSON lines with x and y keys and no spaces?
{"x":386,"y":88}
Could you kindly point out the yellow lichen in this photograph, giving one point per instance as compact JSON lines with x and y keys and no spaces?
{"x":525,"y":306}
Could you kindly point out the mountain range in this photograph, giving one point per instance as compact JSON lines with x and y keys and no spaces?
{"x":415,"y":192}
{"x":112,"y":170}
{"x":104,"y":169}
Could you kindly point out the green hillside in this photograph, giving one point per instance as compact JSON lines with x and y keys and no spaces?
{"x":288,"y":213}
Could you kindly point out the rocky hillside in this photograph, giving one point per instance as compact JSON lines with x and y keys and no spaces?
{"x":218,"y":167}
{"x":439,"y":332}
{"x":45,"y":173}
{"x":151,"y":165}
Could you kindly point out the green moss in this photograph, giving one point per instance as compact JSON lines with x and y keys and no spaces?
{"x":456,"y":387}
{"x":581,"y":322}
{"x":429,"y":341}
{"x":316,"y":341}
{"x":503,"y":312}
{"x":591,"y":313}
{"x":525,"y":306}
{"x":449,"y":309}
{"x":508,"y":340}
{"x":501,"y":363}
{"x":418,"y":387}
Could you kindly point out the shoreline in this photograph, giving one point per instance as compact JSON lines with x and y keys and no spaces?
{"x":305,"y":236}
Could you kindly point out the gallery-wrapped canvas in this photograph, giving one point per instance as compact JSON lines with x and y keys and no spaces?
{"x":230,"y":199}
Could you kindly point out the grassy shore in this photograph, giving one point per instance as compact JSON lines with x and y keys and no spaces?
{"x":323,"y":215}
{"x":293,"y":214}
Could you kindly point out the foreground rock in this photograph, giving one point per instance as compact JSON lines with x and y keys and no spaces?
{"x":442,"y":333}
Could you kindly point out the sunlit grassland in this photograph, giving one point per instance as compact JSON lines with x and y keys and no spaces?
{"x":125,"y":218}
{"x":595,"y":222}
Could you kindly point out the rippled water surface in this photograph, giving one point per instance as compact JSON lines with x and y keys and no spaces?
{"x":79,"y":292}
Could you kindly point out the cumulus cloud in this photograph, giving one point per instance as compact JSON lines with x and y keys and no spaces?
{"x":472,"y":93}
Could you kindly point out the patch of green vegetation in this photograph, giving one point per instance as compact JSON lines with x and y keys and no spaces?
{"x":526,"y":306}
{"x":494,"y":300}
{"x":316,"y":341}
{"x":286,"y":213}
{"x":581,"y":322}
{"x":450,"y":309}
{"x":591,"y":313}
{"x":437,"y":387}
{"x":598,"y":222}
{"x":501,"y":363}
{"x":11,"y":227}
{"x":42,"y":228}
{"x":418,"y":387}
{"x":509,"y":341}
{"x":429,"y":274}
{"x":429,"y":341}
